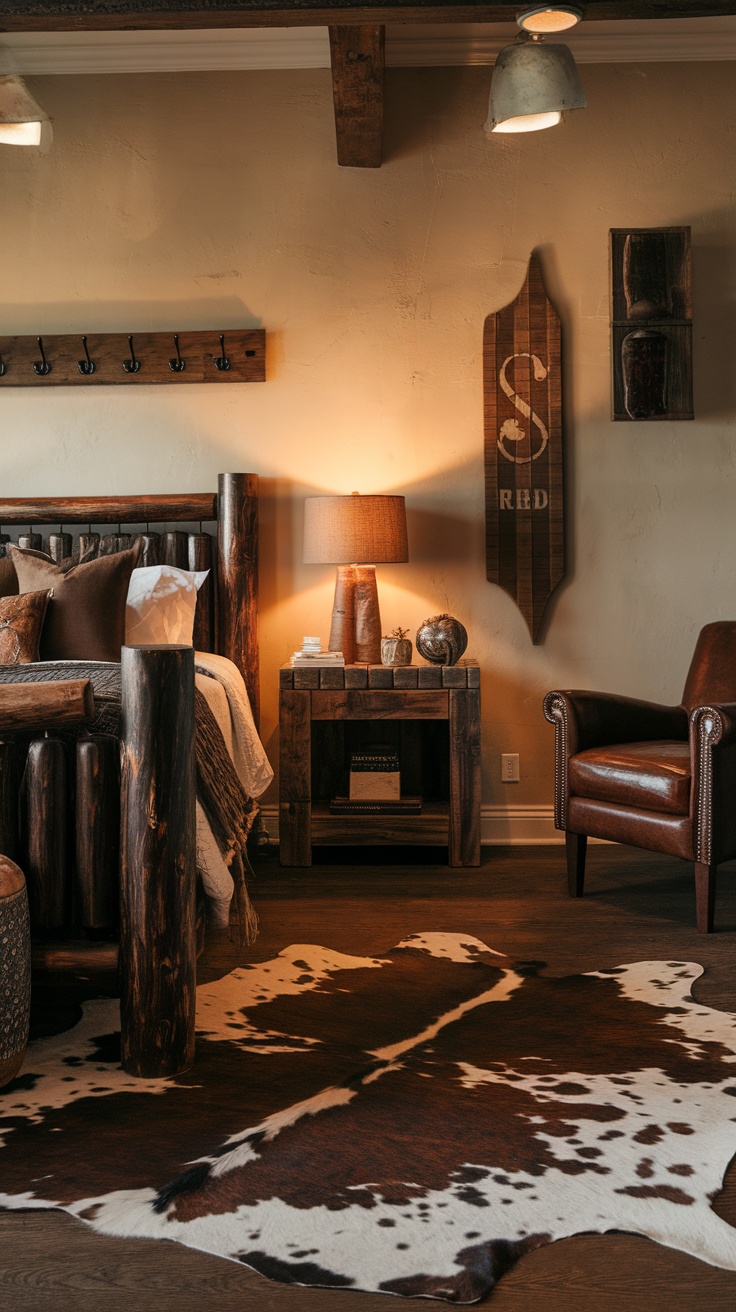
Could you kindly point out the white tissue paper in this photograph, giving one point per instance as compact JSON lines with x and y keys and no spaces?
{"x":161,"y":604}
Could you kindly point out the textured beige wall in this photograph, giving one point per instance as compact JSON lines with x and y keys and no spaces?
{"x":189,"y":200}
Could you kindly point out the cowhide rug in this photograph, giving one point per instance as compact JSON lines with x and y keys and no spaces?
{"x":411,"y":1123}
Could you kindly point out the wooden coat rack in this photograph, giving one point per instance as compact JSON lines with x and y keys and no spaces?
{"x":235,"y":356}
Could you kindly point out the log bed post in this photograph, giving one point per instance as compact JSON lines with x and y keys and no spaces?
{"x":237,"y":578}
{"x":157,"y":861}
{"x":97,"y":832}
{"x":200,"y":556}
{"x":45,"y":804}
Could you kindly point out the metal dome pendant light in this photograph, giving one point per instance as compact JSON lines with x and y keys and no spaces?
{"x":22,"y":121}
{"x":533,"y":83}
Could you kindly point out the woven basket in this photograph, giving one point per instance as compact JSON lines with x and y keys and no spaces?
{"x":15,"y":970}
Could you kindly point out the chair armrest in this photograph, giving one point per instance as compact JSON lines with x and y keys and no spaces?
{"x":599,"y":719}
{"x":716,"y":724}
{"x":713,"y":756}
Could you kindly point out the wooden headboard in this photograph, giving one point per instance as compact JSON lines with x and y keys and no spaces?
{"x":233,"y":596}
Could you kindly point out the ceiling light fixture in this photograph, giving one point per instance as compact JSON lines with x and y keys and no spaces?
{"x":533,"y":84}
{"x":544,"y":19}
{"x":21,"y":119}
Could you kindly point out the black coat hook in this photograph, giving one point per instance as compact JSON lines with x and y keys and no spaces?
{"x":222,"y":362}
{"x":178,"y":364}
{"x":86,"y":366}
{"x":3,"y":367}
{"x":42,"y":366}
{"x":132,"y":365}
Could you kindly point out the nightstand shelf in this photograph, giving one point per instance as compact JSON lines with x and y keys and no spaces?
{"x":429,"y":828}
{"x":430,"y":714}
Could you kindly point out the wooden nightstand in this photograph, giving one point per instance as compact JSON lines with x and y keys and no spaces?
{"x":430,"y":713}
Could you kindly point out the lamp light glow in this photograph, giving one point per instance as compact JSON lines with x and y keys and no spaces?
{"x":530,"y":122}
{"x":549,"y":18}
{"x":532,"y":85}
{"x":20,"y":134}
{"x":21,"y":119}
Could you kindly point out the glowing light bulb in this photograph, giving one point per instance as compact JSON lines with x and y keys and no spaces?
{"x":20,"y":134}
{"x":549,"y":18}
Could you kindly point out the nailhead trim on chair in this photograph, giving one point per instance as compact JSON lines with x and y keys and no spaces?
{"x":709,"y":728}
{"x":555,"y":712}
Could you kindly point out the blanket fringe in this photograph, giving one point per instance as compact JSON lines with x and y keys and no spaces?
{"x":229,"y":810}
{"x":245,"y":930}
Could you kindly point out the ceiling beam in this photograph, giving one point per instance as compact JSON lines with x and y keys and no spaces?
{"x":358,"y":56}
{"x":101,"y":15}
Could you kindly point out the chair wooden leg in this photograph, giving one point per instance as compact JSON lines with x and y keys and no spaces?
{"x":575,"y":845}
{"x":705,"y":895}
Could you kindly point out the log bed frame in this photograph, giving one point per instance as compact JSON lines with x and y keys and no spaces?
{"x":235,"y":509}
{"x":157,"y":954}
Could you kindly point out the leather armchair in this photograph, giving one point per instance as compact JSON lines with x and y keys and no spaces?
{"x":657,"y":777}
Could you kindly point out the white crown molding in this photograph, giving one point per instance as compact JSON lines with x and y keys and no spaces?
{"x":407,"y":46}
{"x":43,"y":53}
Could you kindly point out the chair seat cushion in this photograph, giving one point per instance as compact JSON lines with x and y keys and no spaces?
{"x":654,"y":776}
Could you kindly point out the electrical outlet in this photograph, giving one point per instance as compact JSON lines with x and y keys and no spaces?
{"x":510,"y":767}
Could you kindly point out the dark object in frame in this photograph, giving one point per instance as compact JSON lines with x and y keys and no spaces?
{"x":651,"y":323}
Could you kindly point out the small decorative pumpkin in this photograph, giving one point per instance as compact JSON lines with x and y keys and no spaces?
{"x":442,"y":640}
{"x":15,"y":970}
{"x":396,"y":648}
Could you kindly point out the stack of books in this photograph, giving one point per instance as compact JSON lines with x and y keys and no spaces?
{"x":311,"y":654}
{"x":375,"y":785}
{"x":375,"y":775}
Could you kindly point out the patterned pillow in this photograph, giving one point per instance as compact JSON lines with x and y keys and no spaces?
{"x":8,"y":578}
{"x":21,"y":622}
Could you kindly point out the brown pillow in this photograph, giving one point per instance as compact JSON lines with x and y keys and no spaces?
{"x":21,"y":622}
{"x":8,"y":578}
{"x":86,"y":616}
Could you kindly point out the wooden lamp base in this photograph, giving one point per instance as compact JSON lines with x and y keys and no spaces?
{"x":356,"y":619}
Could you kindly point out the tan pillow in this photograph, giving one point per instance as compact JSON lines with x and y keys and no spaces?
{"x":86,"y":616}
{"x":21,"y":622}
{"x":8,"y":578}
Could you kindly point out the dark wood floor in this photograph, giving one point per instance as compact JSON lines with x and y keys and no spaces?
{"x":638,"y":906}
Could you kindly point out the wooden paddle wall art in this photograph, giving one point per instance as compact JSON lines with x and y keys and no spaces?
{"x":651,"y":323}
{"x":522,"y":396}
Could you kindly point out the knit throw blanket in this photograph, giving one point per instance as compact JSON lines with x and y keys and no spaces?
{"x":229,"y":811}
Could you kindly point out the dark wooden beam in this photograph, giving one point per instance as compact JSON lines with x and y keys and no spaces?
{"x":177,"y":507}
{"x":91,"y":15}
{"x":358,"y":59}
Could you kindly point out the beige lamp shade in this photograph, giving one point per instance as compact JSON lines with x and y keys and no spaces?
{"x":354,"y":530}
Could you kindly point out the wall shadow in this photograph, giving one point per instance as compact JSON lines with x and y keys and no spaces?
{"x":186,"y":315}
{"x":416,"y":100}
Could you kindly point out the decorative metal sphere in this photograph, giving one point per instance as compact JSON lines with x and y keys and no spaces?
{"x":442,"y":640}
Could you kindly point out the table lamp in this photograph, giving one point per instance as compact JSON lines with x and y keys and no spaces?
{"x":355,"y":533}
